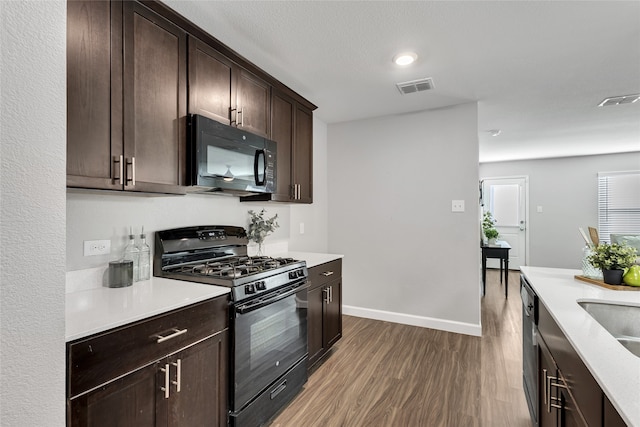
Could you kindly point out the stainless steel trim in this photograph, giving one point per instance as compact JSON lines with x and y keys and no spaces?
{"x":176,"y":332}
{"x":327,"y":273}
{"x":166,"y":380}
{"x":178,"y":381}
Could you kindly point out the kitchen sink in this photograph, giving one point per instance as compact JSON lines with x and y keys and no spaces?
{"x":621,"y":321}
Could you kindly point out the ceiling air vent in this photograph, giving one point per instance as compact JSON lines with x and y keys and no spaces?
{"x":618,"y":100}
{"x":413,"y":86}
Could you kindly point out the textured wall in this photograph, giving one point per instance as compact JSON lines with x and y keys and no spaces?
{"x":391,"y":183}
{"x":567,"y":190}
{"x":32,"y":213}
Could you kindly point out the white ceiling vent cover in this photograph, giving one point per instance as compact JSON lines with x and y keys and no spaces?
{"x":414,"y":86}
{"x":619,"y":100}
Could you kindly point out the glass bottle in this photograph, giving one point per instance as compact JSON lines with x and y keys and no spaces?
{"x":132,"y":253}
{"x":589,"y":270}
{"x":145,"y":253}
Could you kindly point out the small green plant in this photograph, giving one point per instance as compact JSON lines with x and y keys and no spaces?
{"x":491,"y":233}
{"x":259,"y":227}
{"x":612,"y":256}
{"x":488,"y":226}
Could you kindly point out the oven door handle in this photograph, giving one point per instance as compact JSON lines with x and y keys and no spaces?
{"x":254,"y":305}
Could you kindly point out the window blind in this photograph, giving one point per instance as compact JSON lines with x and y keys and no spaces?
{"x":618,"y":204}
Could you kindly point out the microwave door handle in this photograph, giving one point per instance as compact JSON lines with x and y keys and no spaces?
{"x":256,"y":163}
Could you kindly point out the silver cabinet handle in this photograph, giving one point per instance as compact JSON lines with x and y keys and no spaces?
{"x":326,"y":295}
{"x":133,"y":171}
{"x":327,"y":273}
{"x":120,"y":177}
{"x":241,"y":121}
{"x":166,"y":380}
{"x":176,"y":333}
{"x":178,"y":381}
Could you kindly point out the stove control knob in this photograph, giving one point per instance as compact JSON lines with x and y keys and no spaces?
{"x":249,"y":289}
{"x":300,"y":273}
{"x":260,"y":286}
{"x":293,"y":275}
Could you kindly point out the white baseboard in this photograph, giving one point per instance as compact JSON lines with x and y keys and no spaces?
{"x":410,"y":319}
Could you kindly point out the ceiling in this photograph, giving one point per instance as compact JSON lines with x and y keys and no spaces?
{"x":538,"y":69}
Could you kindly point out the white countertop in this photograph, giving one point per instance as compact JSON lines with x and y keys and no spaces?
{"x":92,"y":307}
{"x":94,"y":310}
{"x":313,"y":259}
{"x":616,"y":370}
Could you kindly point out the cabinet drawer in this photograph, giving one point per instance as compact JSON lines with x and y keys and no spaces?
{"x":324,"y":273}
{"x":100,"y":358}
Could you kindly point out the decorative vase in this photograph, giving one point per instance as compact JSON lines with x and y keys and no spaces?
{"x":260,"y":249}
{"x":589,"y":270}
{"x":612,"y":277}
{"x":492,"y":241}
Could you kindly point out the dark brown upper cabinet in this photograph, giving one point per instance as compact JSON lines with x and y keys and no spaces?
{"x":94,"y":94}
{"x":292,"y":130}
{"x":126,"y":96}
{"x":223,"y":91}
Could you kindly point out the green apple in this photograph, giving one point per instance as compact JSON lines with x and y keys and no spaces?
{"x":632,"y":276}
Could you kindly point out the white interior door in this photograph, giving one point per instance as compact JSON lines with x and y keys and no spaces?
{"x":506,"y":199}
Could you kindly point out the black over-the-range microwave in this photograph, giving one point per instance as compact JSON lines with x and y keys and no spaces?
{"x":223,"y":158}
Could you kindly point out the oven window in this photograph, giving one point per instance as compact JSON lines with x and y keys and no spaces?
{"x":268,"y":341}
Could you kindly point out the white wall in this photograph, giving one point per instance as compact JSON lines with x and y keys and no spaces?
{"x":108,"y":215}
{"x":32,"y":226}
{"x":567,"y":191}
{"x":408,"y":258}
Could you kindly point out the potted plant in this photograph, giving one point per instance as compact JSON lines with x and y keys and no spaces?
{"x":612,"y":259}
{"x":488,"y":228}
{"x":259,"y":228}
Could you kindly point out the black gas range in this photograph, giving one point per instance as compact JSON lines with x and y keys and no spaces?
{"x":267,"y":313}
{"x":217,"y":255}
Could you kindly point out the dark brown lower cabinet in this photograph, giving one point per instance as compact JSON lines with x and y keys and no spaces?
{"x":180,"y":390}
{"x":324,"y":309}
{"x":568,"y":394}
{"x":170,"y":370}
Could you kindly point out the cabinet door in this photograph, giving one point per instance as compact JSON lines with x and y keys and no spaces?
{"x":333,"y":313}
{"x":154,"y":101}
{"x":303,"y":155}
{"x":253,"y":103}
{"x":282,"y":113}
{"x":94,"y":94}
{"x":314,"y":324}
{"x":128,"y":401}
{"x":547,"y":414}
{"x":202,"y":398}
{"x":210,"y":82}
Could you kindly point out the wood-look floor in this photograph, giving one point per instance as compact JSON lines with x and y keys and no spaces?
{"x":387,"y":374}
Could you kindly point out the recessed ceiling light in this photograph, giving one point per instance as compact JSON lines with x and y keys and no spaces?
{"x":405,"y":58}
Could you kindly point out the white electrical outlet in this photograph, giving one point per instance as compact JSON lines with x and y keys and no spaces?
{"x":97,"y":247}
{"x":457,"y":206}
{"x":302,"y":228}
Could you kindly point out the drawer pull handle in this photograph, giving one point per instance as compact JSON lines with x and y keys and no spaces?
{"x":166,"y":381}
{"x":327,"y":273}
{"x":176,"y":333}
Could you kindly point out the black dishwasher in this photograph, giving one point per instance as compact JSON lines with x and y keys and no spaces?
{"x":529,"y":347}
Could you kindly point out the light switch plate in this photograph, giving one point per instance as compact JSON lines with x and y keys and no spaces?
{"x":457,"y":206}
{"x":97,"y":247}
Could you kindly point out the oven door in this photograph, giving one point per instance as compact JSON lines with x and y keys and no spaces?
{"x":270,"y":337}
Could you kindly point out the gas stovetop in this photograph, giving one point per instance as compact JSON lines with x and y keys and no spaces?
{"x":217,"y":255}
